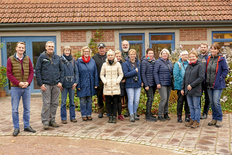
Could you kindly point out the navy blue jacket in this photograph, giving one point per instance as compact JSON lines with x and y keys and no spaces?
{"x":88,"y":78}
{"x":71,"y":74}
{"x":130,"y":72}
{"x":47,"y":71}
{"x":161,"y":72}
{"x":147,"y":68}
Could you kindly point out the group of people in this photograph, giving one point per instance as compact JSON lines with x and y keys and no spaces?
{"x":118,"y":76}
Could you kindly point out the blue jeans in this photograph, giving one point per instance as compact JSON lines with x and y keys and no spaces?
{"x":16,"y":93}
{"x":133,"y":99}
{"x":214,"y":97}
{"x":86,"y":106}
{"x":63,"y":113}
{"x":194,"y":107}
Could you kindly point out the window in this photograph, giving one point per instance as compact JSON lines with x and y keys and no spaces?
{"x":136,"y":41}
{"x":224,"y":38}
{"x":158,"y":41}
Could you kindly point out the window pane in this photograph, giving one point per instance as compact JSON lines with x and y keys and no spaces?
{"x":132,"y":38}
{"x":158,"y":47}
{"x":161,"y":37}
{"x":222,"y":36}
{"x":138,"y":48}
{"x":225,"y":44}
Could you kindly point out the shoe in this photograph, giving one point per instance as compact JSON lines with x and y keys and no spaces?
{"x":212,"y":123}
{"x":64,"y":122}
{"x":89,"y":118}
{"x":74,"y":120}
{"x":151,"y":119}
{"x":110,"y":119}
{"x":187,"y":118}
{"x":100,"y":115}
{"x":167,"y":117}
{"x":53,"y":124}
{"x":203,"y":116}
{"x":132,"y":118}
{"x":16,"y":132}
{"x":120,"y":117}
{"x":84,"y":118}
{"x":188,"y":124}
{"x":29,"y":129}
{"x":219,"y":124}
{"x":127,"y":114}
{"x":114,"y":119}
{"x":160,"y":118}
{"x":153,"y":116}
{"x":179,"y":119}
{"x":195,"y":124}
{"x":136,"y":116}
{"x":45,"y":127}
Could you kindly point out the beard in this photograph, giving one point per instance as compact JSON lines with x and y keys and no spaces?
{"x":125,"y":50}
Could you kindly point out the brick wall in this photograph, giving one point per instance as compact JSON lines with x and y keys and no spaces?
{"x":73,"y":36}
{"x":108,"y":35}
{"x":190,"y":47}
{"x":193,"y":34}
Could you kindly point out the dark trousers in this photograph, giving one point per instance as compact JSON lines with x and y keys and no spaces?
{"x":120,"y":105}
{"x":100,"y":98}
{"x":207,"y":101}
{"x":180,"y":103}
{"x":150,"y":99}
{"x":111,"y":104}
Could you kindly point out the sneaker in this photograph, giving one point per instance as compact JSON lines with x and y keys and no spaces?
{"x":188,"y":124}
{"x":219,"y":124}
{"x":136,"y":116}
{"x":151,"y":119}
{"x":195,"y":124}
{"x":100,"y":115}
{"x":160,"y":118}
{"x":89,"y":118}
{"x":74,"y":120}
{"x":114,"y":119}
{"x":127,"y":114}
{"x":179,"y":119}
{"x":110,"y":119}
{"x":167,"y":117}
{"x":45,"y":127}
{"x":84,"y":118}
{"x":132,"y":118}
{"x":53,"y":124}
{"x":120,"y":117}
{"x":212,"y":123}
{"x":203,"y":116}
{"x":187,"y":118}
{"x":64,"y":121}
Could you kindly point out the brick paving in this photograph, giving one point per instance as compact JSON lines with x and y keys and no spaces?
{"x":168,"y":135}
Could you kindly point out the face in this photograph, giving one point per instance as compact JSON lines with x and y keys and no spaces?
{"x":102,"y":51}
{"x":110,"y":57}
{"x":204,"y":49}
{"x":67,"y":52}
{"x":164,"y":55}
{"x":50,"y":48}
{"x":214,"y":51}
{"x":184,"y":57}
{"x":192,"y":58}
{"x":20,"y":49}
{"x":132,"y":55}
{"x":118,"y":56}
{"x":150,"y":54}
{"x":86,"y":53}
{"x":125,"y":46}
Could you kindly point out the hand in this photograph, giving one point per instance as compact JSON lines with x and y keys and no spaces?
{"x":182,"y":92}
{"x":95,"y":87}
{"x":61,"y":88}
{"x":59,"y":85}
{"x":136,"y":70}
{"x":21,"y":84}
{"x":189,"y":88}
{"x":79,"y":88}
{"x":142,"y":84}
{"x":158,"y":86}
{"x":124,"y":80}
{"x":43,"y":88}
{"x":147,"y":88}
{"x":74,"y":86}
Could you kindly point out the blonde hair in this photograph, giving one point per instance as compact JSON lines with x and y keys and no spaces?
{"x":20,"y":42}
{"x":216,"y":46}
{"x":132,"y":50}
{"x":204,"y":44}
{"x":194,"y":52}
{"x":86,"y":47}
{"x":118,"y":52}
{"x":165,"y":50}
{"x":110,"y":52}
{"x":67,"y":47}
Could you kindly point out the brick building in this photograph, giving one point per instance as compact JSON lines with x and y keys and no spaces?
{"x":144,"y":23}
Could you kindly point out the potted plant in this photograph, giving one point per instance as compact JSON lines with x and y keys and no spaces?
{"x":3,"y":81}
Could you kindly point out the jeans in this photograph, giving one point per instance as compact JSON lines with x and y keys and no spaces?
{"x":86,"y":106}
{"x":214,"y":97}
{"x":16,"y":93}
{"x":63,"y":113}
{"x":182,"y":100}
{"x":164,"y":92}
{"x":194,"y":106}
{"x":111,"y":104}
{"x":133,"y":99}
{"x":150,"y":99}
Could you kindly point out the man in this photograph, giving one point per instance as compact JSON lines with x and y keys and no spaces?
{"x":125,"y":49}
{"x":100,"y":58}
{"x":20,"y":73}
{"x":203,"y":56}
{"x":49,"y":74}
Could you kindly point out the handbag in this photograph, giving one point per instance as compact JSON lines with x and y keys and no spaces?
{"x":172,"y":78}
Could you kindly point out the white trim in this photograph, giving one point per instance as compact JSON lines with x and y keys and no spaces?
{"x":88,"y":38}
{"x":116,"y":40}
{"x":191,"y":42}
{"x":58,"y":42}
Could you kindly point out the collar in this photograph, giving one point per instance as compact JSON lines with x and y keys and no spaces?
{"x":18,"y":57}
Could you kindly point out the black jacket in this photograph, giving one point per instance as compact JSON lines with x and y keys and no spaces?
{"x":194,"y":76}
{"x":99,"y":60}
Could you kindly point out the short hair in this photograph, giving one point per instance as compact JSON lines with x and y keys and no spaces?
{"x":20,"y":42}
{"x":165,"y":50}
{"x":67,"y":47}
{"x":49,"y":42}
{"x":110,"y":52}
{"x":184,"y":52}
{"x":85,"y":47}
{"x":132,"y":50}
{"x":126,"y":41}
{"x":204,"y":44}
{"x":149,"y":49}
{"x":194,"y":52}
{"x":216,"y":46}
{"x":118,"y":52}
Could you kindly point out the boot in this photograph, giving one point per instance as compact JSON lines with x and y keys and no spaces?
{"x":136,"y":116}
{"x":160,"y":118}
{"x":188,"y":124}
{"x":166,"y":117}
{"x":132,"y":118}
{"x":114,"y":119}
{"x":150,"y":118}
{"x":187,"y":117}
{"x":195,"y":124}
{"x":219,"y":124}
{"x":213,"y":122}
{"x":179,"y":118}
{"x":110,"y":119}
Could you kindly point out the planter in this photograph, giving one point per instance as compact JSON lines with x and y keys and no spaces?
{"x":2,"y":93}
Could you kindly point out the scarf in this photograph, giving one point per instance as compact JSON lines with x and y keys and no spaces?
{"x":111,"y":62}
{"x":86,"y":61}
{"x":69,"y":58}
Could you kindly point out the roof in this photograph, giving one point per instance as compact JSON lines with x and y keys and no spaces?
{"x":84,"y":11}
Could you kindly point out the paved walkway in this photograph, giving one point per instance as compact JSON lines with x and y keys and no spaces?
{"x":168,"y":135}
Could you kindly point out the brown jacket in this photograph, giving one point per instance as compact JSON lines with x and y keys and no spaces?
{"x":111,"y":76}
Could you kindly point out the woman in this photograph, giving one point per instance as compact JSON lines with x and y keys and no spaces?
{"x":131,"y":71}
{"x":88,"y":82}
{"x":111,"y":75}
{"x":216,"y":72}
{"x":178,"y":73}
{"x":191,"y":87}
{"x":163,"y":73}
{"x":147,"y":69}
{"x":71,"y":78}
